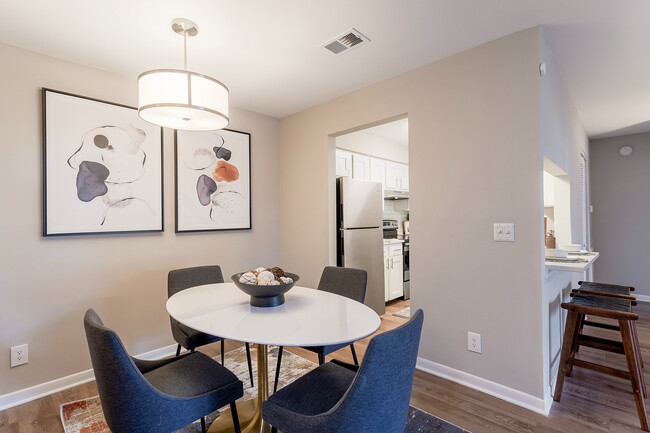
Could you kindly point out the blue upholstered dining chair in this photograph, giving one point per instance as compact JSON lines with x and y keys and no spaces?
{"x":156,"y":396}
{"x":348,"y":282}
{"x":341,"y":398}
{"x":190,"y":339}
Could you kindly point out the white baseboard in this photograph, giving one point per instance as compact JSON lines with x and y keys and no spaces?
{"x":641,"y":298}
{"x":44,"y":389}
{"x":542,"y":406}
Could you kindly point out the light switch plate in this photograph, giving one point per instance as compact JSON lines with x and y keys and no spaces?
{"x":504,"y":232}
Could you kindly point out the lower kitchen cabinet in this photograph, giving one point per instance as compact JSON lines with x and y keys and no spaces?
{"x":393,"y":271}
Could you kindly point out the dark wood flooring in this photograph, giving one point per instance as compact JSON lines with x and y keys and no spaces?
{"x":591,"y":402}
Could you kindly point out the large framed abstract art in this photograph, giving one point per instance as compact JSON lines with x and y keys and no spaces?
{"x":102,"y":168}
{"x":213,"y":180}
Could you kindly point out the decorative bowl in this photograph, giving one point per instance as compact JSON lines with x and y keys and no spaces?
{"x":265,"y":296}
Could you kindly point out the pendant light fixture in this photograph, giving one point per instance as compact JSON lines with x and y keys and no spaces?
{"x":181,"y":99}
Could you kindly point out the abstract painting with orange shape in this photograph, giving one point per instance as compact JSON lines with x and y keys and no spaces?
{"x":213,"y":181}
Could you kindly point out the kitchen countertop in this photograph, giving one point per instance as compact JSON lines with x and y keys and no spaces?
{"x":393,"y":241}
{"x":583,"y":263}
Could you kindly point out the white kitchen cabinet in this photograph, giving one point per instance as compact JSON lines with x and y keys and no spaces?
{"x":403,"y":177}
{"x":397,"y":176}
{"x":360,"y":167}
{"x":393,"y":272}
{"x":343,"y":163}
{"x":377,"y":170}
{"x":391,"y":175}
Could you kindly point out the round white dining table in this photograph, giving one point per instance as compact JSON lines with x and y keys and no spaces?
{"x":308,"y":317}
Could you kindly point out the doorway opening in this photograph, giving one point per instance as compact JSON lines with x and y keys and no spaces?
{"x":376,"y":155}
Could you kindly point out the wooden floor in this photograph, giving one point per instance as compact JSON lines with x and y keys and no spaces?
{"x":590,"y":403}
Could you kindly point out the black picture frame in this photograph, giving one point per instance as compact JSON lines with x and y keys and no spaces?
{"x":195,"y":214}
{"x":130,"y":151}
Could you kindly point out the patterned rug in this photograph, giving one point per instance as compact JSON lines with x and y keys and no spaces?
{"x":85,"y":416}
{"x":405,"y":313}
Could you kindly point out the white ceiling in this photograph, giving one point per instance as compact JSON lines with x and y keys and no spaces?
{"x":269,"y":55}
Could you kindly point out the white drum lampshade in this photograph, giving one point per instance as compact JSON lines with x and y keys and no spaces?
{"x":179,"y":99}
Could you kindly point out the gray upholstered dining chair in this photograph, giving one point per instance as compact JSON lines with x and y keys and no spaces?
{"x":190,"y":339}
{"x":140,"y":396}
{"x":348,"y":282}
{"x":339,"y":398}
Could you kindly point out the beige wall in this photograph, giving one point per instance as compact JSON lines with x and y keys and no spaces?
{"x":48,"y":283}
{"x":562,"y":141}
{"x":621,"y":199}
{"x":474,"y":160}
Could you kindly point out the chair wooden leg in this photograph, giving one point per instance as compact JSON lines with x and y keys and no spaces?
{"x":250,"y":366}
{"x":574,"y":346}
{"x":635,"y":335}
{"x":570,"y":334}
{"x":178,"y":350}
{"x":235,"y":417}
{"x":354,"y":354}
{"x":203,"y":430}
{"x":223,"y":353}
{"x":321,"y":359}
{"x":639,"y":360}
{"x":577,"y":348}
{"x":277,"y":369}
{"x":635,"y":372}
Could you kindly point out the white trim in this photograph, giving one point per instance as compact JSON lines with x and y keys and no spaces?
{"x":160,"y":353}
{"x":548,"y":400}
{"x":641,"y":298}
{"x":530,"y":402}
{"x":44,"y":389}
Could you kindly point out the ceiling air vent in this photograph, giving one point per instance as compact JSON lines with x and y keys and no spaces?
{"x":346,"y":42}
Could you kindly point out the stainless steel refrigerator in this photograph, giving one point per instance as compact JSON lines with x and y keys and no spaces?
{"x":360,"y":234}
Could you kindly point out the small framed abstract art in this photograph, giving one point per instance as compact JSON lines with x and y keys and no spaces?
{"x":102,"y":168}
{"x":213,"y":180}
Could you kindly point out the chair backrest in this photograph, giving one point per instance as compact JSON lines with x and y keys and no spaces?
{"x":181,"y":279}
{"x":348,"y":282}
{"x":378,"y":398}
{"x":123,"y":390}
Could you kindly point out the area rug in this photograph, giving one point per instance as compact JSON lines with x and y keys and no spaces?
{"x":85,"y":416}
{"x":405,"y":313}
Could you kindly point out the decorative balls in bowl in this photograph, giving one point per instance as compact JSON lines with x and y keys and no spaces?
{"x":266,"y":286}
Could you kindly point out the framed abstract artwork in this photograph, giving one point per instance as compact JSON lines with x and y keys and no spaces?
{"x":213,"y":180}
{"x":102,"y":168}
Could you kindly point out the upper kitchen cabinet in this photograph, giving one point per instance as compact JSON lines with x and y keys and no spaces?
{"x":378,"y":170}
{"x":360,"y":167}
{"x":343,"y":163}
{"x":397,"y":176}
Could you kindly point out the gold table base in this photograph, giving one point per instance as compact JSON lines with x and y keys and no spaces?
{"x":249,"y":411}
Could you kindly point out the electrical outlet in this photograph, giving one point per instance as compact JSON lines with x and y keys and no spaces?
{"x":474,"y":342}
{"x":19,"y":355}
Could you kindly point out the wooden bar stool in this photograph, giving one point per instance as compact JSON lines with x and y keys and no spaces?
{"x":613,"y":291}
{"x":609,"y":308}
{"x":606,"y":287}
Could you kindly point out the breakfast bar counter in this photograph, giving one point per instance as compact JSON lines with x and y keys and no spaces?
{"x":570,"y":264}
